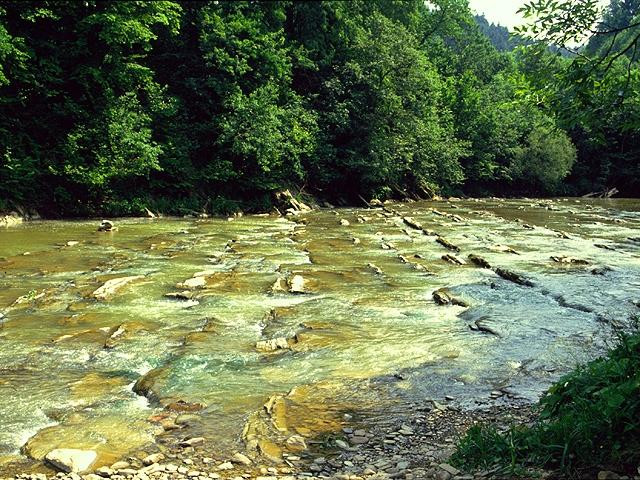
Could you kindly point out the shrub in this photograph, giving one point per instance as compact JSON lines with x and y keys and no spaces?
{"x":589,"y":419}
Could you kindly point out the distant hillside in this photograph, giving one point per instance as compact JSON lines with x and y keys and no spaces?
{"x":504,"y":41}
{"x":498,"y":35}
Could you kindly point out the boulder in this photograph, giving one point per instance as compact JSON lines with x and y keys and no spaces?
{"x":70,"y":460}
{"x":296,"y":284}
{"x":106,"y":226}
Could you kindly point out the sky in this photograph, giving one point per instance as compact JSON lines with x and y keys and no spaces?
{"x":499,"y":11}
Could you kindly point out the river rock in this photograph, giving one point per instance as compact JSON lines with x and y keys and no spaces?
{"x":513,"y":277}
{"x":447,"y":244}
{"x":280,"y":343}
{"x":153,"y":458}
{"x":296,"y":443}
{"x":70,"y":460}
{"x":479,"y":261}
{"x":184,"y":295}
{"x":453,"y":259}
{"x":146,"y":384}
{"x":443,"y":297}
{"x":569,"y":260}
{"x":377,"y":270}
{"x":241,"y":458}
{"x":106,"y":226}
{"x":192,"y":442}
{"x":297,"y":284}
{"x":279,"y":286}
{"x":197,"y":281}
{"x":503,"y":249}
{"x":110,"y":287}
{"x":412,"y":223}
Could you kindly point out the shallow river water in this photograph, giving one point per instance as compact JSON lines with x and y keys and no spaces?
{"x":69,"y":360}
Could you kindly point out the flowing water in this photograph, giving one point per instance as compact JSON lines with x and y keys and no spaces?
{"x":68,"y":361}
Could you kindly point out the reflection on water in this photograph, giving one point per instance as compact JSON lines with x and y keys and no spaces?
{"x":68,"y":362}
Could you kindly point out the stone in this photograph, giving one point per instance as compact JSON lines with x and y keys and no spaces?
{"x":344,"y":223}
{"x":513,"y":277}
{"x":120,"y":465}
{"x":154,"y":458}
{"x":106,"y":471}
{"x":70,"y":460}
{"x":449,"y":469}
{"x":358,"y":440}
{"x":377,"y":270}
{"x":297,"y":284}
{"x":192,"y":442}
{"x":607,"y":475}
{"x":199,"y":281}
{"x":478,"y":261}
{"x":342,"y":444}
{"x":296,"y":443}
{"x":447,"y":244}
{"x":106,"y":226}
{"x":273,"y":344}
{"x":110,"y":287}
{"x":443,"y":297}
{"x":241,"y":458}
{"x":225,"y":466}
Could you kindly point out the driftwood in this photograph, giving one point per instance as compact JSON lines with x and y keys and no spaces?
{"x":606,"y":193}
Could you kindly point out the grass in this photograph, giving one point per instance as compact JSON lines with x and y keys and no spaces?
{"x":588,"y":420}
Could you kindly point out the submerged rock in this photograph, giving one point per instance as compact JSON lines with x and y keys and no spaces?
{"x":412,"y":223}
{"x":106,"y":226}
{"x":273,"y":344}
{"x":198,"y":281}
{"x":146,"y":384}
{"x":184,"y":295}
{"x":447,"y":244}
{"x":603,"y":270}
{"x":570,"y":260}
{"x":70,"y":460}
{"x":110,"y":287}
{"x":443,"y":297}
{"x":479,"y":261}
{"x":377,"y":270}
{"x":513,"y":277}
{"x":453,"y":259}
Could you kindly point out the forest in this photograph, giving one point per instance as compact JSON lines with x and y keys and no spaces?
{"x":189,"y":106}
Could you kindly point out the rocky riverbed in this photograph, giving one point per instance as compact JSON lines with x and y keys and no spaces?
{"x":287,"y":340}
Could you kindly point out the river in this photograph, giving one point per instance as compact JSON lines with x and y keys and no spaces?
{"x":69,"y":360}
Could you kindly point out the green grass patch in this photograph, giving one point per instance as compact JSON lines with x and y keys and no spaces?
{"x":589,"y":419}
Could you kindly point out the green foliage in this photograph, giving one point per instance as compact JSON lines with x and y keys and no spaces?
{"x":114,"y":106}
{"x":589,"y":419}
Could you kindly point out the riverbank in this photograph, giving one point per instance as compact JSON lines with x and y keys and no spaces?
{"x":413,"y":447}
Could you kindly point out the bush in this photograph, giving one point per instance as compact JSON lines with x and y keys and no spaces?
{"x":589,"y":419}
